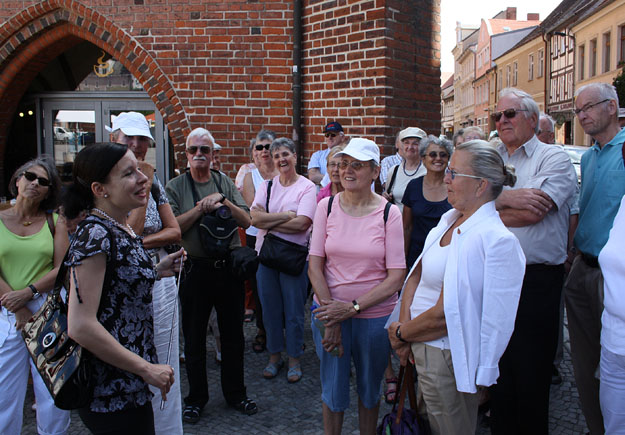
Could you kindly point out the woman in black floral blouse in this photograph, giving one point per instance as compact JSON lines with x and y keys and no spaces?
{"x":110,"y":313}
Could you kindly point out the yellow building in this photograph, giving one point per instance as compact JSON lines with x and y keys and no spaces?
{"x":464,"y":74}
{"x":523,"y":67}
{"x":600,"y":42}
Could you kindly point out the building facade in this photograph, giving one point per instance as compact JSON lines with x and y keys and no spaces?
{"x":232,"y":67}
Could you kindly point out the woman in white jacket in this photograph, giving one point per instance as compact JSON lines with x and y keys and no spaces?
{"x":460,"y":299}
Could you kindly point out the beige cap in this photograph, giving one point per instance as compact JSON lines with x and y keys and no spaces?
{"x":412,"y":132}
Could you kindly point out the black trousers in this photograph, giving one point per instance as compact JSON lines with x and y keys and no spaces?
{"x":250,"y":242}
{"x":133,"y":421}
{"x":520,"y":399}
{"x":203,"y":288}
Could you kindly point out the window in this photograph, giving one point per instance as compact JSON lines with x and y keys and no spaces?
{"x":621,"y":32}
{"x":515,"y":73}
{"x":530,"y":67}
{"x":500,"y":80}
{"x":606,"y":51}
{"x":541,"y":63}
{"x":592,"y":61}
{"x":508,"y":76}
{"x":581,"y":52}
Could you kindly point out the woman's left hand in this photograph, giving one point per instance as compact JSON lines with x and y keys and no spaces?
{"x":171,"y":265}
{"x":332,"y":312}
{"x":15,"y":300}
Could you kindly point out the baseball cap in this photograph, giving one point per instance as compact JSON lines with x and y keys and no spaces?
{"x":621,"y":112}
{"x":132,"y":124}
{"x":333,"y":127}
{"x":411,"y":132}
{"x":362,"y":149}
{"x":216,"y":147}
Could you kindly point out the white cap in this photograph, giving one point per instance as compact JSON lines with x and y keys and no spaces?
{"x":362,"y":149}
{"x":621,"y":112}
{"x":412,"y":132}
{"x":132,"y":124}
{"x":216,"y":147}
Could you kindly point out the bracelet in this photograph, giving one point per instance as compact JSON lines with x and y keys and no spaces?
{"x":398,"y":334}
{"x":33,"y":289}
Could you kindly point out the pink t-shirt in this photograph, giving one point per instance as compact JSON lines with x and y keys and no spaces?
{"x":358,"y":251}
{"x":298,"y":197}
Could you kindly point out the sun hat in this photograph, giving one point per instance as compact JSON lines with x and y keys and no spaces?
{"x":362,"y":149}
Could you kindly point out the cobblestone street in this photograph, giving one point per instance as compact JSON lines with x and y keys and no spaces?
{"x":296,"y":408}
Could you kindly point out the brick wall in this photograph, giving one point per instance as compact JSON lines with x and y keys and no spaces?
{"x":227,"y":65}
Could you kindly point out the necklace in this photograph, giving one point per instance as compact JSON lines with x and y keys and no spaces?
{"x":126,"y":227}
{"x":406,"y":173}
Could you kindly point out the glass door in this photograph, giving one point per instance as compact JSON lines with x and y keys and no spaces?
{"x":70,"y":121}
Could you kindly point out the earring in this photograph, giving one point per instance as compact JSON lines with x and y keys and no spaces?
{"x":106,"y":195}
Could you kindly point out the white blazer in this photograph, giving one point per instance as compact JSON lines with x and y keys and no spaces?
{"x":482,"y":285}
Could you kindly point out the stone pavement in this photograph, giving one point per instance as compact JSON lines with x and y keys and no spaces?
{"x":296,"y":408}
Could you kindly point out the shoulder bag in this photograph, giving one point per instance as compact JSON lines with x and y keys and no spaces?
{"x":62,"y":363}
{"x":280,"y":254}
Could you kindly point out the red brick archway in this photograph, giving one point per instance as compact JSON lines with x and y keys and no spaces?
{"x":35,"y":36}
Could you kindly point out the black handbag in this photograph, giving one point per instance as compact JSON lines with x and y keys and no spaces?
{"x":244,"y":262}
{"x":62,"y":363}
{"x":280,"y":254}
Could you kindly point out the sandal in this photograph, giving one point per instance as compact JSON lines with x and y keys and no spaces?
{"x":191,"y":414}
{"x":391,"y":390}
{"x":246,"y":406}
{"x":272,"y":369}
{"x":294,"y":374}
{"x":259,"y":343}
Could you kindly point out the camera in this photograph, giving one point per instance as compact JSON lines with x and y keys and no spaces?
{"x":223,"y":212}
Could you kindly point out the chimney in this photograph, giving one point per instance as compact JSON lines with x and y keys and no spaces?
{"x":533,"y":17}
{"x":510,"y":13}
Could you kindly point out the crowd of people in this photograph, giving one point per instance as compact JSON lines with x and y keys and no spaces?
{"x":461,"y":266}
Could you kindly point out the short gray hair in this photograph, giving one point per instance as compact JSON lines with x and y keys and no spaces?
{"x":486,"y":162}
{"x":282,"y":142}
{"x":456,"y":135}
{"x":552,"y":122}
{"x":200,"y":133}
{"x":474,"y":129}
{"x":527,"y":103}
{"x":606,"y":91}
{"x":433,"y":140}
{"x":262,"y":135}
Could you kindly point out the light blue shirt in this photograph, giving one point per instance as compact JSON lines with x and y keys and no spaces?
{"x":603,"y":186}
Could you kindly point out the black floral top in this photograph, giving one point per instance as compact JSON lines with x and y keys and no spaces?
{"x":125,"y":309}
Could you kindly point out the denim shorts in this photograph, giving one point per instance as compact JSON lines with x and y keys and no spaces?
{"x":366,"y":342}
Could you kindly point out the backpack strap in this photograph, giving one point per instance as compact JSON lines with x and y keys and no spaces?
{"x":392,"y":182}
{"x":269,"y":183}
{"x":196,"y":196}
{"x":330,"y":205}
{"x":387,"y":208}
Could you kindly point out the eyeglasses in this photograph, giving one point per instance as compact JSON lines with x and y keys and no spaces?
{"x":30,"y":176}
{"x":510,"y":113}
{"x":587,"y":107}
{"x":334,"y":165}
{"x":356,"y":165}
{"x":204,"y":149}
{"x":262,"y":147}
{"x":330,"y":134}
{"x":455,"y":174}
{"x":441,"y":154}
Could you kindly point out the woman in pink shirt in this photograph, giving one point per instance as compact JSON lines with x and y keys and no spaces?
{"x":334,"y":186}
{"x":356,"y":267}
{"x":288,"y":214}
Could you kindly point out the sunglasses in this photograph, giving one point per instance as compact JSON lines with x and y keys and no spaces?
{"x":262,"y":147}
{"x":510,"y":113}
{"x":441,"y":154}
{"x":356,"y":166}
{"x":43,"y":182}
{"x":330,"y":134}
{"x":455,"y":174}
{"x":204,"y":149}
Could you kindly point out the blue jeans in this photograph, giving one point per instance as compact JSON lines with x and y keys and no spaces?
{"x":366,"y":341}
{"x":612,"y":391}
{"x":283,"y":297}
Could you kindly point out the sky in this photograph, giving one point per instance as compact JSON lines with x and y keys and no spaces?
{"x":471,"y":12}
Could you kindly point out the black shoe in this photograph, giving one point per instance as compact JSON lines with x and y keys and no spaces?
{"x":246,"y":406}
{"x":191,"y":414}
{"x":556,"y":379}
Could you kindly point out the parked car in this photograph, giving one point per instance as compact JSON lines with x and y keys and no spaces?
{"x":62,"y":135}
{"x":575,"y":154}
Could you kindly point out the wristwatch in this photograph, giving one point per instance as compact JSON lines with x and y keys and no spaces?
{"x":356,"y":306}
{"x":223,"y":198}
{"x":398,"y":334}
{"x":32,"y":288}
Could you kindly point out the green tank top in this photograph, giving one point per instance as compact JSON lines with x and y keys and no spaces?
{"x":23,"y":260}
